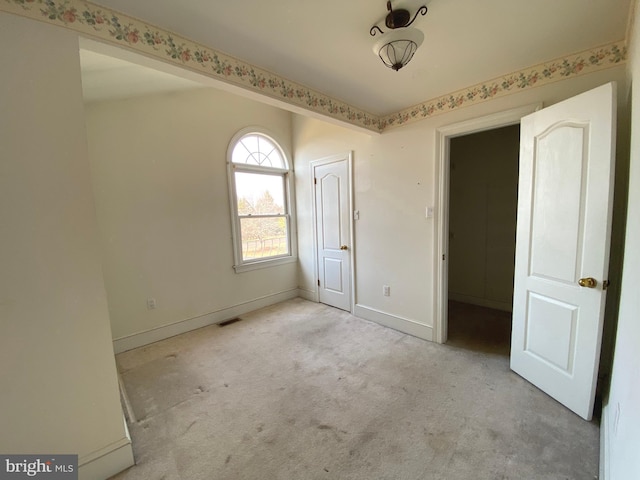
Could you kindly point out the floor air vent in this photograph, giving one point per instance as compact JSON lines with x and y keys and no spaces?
{"x":229,"y":322}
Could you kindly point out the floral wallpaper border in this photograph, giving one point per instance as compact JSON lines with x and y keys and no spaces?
{"x":578,"y":64}
{"x":115,"y":28}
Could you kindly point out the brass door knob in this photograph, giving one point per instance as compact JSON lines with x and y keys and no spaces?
{"x":344,"y":247}
{"x":588,"y":282}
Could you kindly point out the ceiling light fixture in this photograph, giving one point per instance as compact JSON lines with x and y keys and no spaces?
{"x":396,"y":47}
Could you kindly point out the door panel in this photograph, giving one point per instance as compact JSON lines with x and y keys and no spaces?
{"x":551,"y":331}
{"x":564,"y":222}
{"x":556,"y":230}
{"x":333,"y":273}
{"x":330,"y":201}
{"x":333,"y":229}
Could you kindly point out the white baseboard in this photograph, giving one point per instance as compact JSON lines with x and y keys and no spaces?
{"x":481,"y":302}
{"x":107,"y":461}
{"x":604,"y":444}
{"x":311,"y":295}
{"x":403,"y":325}
{"x":129,"y":414}
{"x":135,"y":340}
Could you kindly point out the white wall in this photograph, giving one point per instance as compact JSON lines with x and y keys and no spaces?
{"x":394,"y":181}
{"x":55,"y":343}
{"x":483,"y":199}
{"x":59,"y":388}
{"x":160,"y":180}
{"x":621,"y":415}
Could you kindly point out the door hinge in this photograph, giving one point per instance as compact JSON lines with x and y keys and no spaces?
{"x":315,"y":181}
{"x":443,"y":256}
{"x":318,"y":282}
{"x":605,"y":284}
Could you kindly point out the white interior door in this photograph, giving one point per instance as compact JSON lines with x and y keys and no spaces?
{"x":333,"y":229}
{"x":562,"y":245}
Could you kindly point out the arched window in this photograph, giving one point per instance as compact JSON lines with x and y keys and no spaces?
{"x":261,"y":200}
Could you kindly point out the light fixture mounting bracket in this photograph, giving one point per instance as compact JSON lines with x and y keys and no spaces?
{"x":400,"y":18}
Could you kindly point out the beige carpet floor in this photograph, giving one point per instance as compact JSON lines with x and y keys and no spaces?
{"x":300,"y":390}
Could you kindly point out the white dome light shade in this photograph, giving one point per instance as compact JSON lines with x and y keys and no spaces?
{"x":396,"y":47}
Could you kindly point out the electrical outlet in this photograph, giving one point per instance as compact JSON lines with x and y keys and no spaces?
{"x":386,"y":290}
{"x":151,"y":303}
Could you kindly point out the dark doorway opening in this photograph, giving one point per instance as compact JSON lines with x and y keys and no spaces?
{"x":483,"y":188}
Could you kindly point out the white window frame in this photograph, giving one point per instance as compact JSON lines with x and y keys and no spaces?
{"x":241,"y":265}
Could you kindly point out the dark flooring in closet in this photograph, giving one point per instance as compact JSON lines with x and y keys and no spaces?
{"x":479,"y":328}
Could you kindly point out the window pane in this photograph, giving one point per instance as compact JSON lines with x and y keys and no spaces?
{"x":260,"y":194}
{"x":263,"y":237}
{"x":257,"y":150}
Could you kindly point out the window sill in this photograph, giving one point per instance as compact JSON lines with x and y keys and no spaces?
{"x":247,"y":267}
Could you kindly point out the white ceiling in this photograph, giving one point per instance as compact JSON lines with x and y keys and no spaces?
{"x":326,"y":44}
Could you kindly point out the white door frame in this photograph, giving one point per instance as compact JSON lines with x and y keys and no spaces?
{"x":341,"y":157}
{"x":441,"y":260}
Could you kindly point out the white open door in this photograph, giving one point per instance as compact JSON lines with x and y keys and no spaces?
{"x":562,"y":245}
{"x":333,"y":230}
